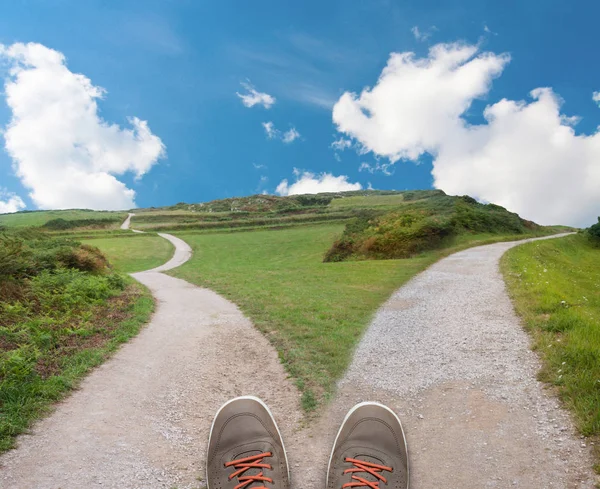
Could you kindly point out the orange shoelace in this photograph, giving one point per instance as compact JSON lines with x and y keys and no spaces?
{"x":243,"y":464}
{"x":369,"y":468}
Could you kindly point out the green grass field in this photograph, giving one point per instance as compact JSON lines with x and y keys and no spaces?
{"x":313,"y":312}
{"x":39,"y":218}
{"x":134,"y":253}
{"x":555,"y":286}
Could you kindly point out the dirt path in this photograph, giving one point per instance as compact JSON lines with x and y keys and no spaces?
{"x":449,"y":355}
{"x":127,"y":222}
{"x":141,"y":420}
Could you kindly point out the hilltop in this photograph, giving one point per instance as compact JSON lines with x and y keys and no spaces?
{"x":379,"y":223}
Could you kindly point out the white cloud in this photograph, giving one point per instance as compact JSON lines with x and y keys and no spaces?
{"x":287,"y":137}
{"x":596,"y":97}
{"x":290,"y":136}
{"x":253,"y":97}
{"x":61,"y":149}
{"x":372,"y":168}
{"x":341,"y":144}
{"x":10,"y":202}
{"x":309,"y":183}
{"x":270,"y":129}
{"x":423,"y":35}
{"x":258,"y":166}
{"x":525,"y":157}
{"x":416,"y":101}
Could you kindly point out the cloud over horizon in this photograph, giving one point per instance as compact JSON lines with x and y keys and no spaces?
{"x":309,"y":183}
{"x":61,"y":149}
{"x":526,"y":156}
{"x":10,"y":202}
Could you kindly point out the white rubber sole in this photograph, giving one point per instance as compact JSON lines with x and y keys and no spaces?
{"x":274,"y":422}
{"x":368,"y":403}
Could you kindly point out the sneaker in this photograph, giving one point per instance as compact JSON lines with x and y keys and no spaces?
{"x":369,"y":450}
{"x":245,"y":449}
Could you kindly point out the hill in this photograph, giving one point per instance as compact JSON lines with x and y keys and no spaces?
{"x":423,"y":223}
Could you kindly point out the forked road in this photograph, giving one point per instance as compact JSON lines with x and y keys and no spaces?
{"x":446,"y":352}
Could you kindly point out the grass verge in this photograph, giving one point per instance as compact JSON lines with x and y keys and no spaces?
{"x":314,"y":313}
{"x":555,"y":286}
{"x":48,"y":345}
{"x":135,"y":253}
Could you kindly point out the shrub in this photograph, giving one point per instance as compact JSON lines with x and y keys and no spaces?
{"x":14,"y":258}
{"x":341,"y":250}
{"x":310,"y":200}
{"x":26,"y":254}
{"x":424,"y":222}
{"x":84,"y":257}
{"x":60,"y":224}
{"x":594,"y":233}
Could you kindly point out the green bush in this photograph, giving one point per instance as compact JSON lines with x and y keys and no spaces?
{"x":424,"y":222}
{"x":60,"y":224}
{"x":15,"y":258}
{"x":594,"y":233}
{"x":26,"y":254}
{"x":313,"y":200}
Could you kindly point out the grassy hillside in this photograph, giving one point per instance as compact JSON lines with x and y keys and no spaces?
{"x":420,"y":223}
{"x":555,"y":286}
{"x":40,"y":218}
{"x":62,"y":312}
{"x":134,"y":252}
{"x":272,"y":211}
{"x":314,"y":313}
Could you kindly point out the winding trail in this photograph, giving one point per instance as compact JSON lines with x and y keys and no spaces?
{"x":446,"y":352}
{"x":141,"y":420}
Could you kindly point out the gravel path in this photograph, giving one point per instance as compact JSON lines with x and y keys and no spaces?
{"x":449,"y":355}
{"x":141,"y":420}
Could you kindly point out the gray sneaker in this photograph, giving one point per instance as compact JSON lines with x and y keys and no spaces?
{"x":245,"y":449}
{"x":369,"y":450}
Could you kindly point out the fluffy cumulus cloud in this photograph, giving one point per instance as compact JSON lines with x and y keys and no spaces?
{"x":253,"y":97}
{"x":287,"y":137}
{"x":525,"y":156}
{"x":61,"y":149}
{"x":309,"y":183}
{"x":10,"y":202}
{"x":596,"y":97}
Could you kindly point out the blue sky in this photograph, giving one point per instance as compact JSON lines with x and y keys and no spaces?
{"x":178,"y":66}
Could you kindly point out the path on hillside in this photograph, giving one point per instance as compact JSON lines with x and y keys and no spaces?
{"x":449,"y":355}
{"x":141,"y":420}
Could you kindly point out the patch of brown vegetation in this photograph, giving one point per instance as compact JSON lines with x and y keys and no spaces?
{"x":101,"y":326}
